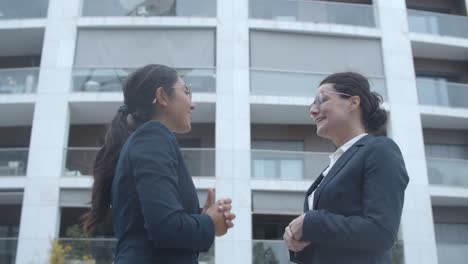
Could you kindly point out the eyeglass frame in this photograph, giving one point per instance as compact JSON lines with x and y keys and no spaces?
{"x":320,"y":101}
{"x":187,"y":91}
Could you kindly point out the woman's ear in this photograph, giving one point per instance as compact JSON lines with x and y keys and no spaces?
{"x":161,"y":96}
{"x":355,"y":102}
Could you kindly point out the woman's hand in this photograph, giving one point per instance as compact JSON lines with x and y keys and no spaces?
{"x":220,"y":213}
{"x":293,"y":234}
{"x":296,"y":227}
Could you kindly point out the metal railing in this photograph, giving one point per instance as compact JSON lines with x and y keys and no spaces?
{"x":13,"y":161}
{"x":23,"y":9}
{"x":437,"y":23}
{"x":302,"y":84}
{"x":18,"y":80}
{"x":8,"y":247}
{"x":288,"y":165}
{"x":447,"y":172}
{"x":442,"y":93}
{"x":314,"y":11}
{"x":98,"y":79}
{"x":79,"y":161}
{"x":177,"y":8}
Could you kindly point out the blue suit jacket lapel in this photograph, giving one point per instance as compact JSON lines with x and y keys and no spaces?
{"x":311,"y":189}
{"x":338,"y":166}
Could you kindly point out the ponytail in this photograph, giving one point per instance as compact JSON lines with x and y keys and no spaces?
{"x":104,"y":170}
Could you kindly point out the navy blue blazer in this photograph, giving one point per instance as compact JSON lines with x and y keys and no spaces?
{"x":357,"y":206}
{"x":155,"y":207}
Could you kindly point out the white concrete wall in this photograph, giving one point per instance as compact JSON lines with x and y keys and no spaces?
{"x":233,"y":128}
{"x":40,"y":212}
{"x":405,"y":128}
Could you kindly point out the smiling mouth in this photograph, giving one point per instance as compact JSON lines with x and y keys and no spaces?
{"x":318,"y":120}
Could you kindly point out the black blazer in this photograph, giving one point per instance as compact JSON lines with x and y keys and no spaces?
{"x":357,"y":206}
{"x":155,"y":207}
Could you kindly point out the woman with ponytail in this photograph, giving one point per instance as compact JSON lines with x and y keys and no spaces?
{"x":141,"y":179}
{"x":352,"y":211}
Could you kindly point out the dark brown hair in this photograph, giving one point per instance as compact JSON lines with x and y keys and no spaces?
{"x":139,"y":91}
{"x":374,"y":117}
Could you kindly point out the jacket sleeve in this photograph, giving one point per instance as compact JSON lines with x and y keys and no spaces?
{"x":154,"y":162}
{"x":297,"y":257}
{"x":384,"y":183}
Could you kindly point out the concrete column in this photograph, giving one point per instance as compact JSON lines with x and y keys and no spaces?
{"x":405,"y":128}
{"x":40,"y":212}
{"x":233,"y":128}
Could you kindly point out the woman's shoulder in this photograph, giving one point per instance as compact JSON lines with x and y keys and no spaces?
{"x":383,"y":143}
{"x":152,"y":135}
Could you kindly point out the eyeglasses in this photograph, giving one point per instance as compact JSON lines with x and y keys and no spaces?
{"x":320,"y":99}
{"x":188,"y":90}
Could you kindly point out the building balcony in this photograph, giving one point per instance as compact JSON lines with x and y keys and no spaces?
{"x":300,"y":84}
{"x":448,"y":172}
{"x":452,"y":253}
{"x":203,"y":80}
{"x":314,"y":11}
{"x":439,"y":92}
{"x":13,"y":161}
{"x":8,"y":247}
{"x":270,"y":251}
{"x":437,"y":23}
{"x":287,"y":165}
{"x":18,"y":80}
{"x":101,"y":250}
{"x":174,"y":8}
{"x":80,"y":160}
{"x":22,"y":9}
{"x":275,"y":251}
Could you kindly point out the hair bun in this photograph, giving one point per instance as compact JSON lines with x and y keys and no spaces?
{"x":377,"y":120}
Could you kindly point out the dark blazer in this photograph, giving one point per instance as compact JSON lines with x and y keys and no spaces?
{"x":155,"y":207}
{"x":357,"y":206}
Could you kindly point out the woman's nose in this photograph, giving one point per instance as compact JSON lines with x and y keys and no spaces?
{"x":313,"y":110}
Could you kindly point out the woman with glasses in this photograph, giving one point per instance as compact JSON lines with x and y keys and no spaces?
{"x":352,"y":211}
{"x":140,"y":175}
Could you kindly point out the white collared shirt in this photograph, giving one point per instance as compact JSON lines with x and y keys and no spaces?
{"x":333,"y":158}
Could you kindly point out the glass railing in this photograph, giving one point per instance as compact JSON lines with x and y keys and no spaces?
{"x":101,"y":250}
{"x":21,"y":9}
{"x":13,"y":161}
{"x":86,"y":250}
{"x":275,"y":251}
{"x":270,"y":251}
{"x":8,"y":247}
{"x":442,"y":93}
{"x":438,"y":23}
{"x":448,"y":172}
{"x":199,"y":162}
{"x":18,"y":80}
{"x":288,"y":165}
{"x":283,"y":83}
{"x":314,"y":11}
{"x":203,"y":80}
{"x":452,"y":253}
{"x":179,"y":8}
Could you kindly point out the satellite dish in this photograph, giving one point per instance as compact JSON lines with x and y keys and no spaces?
{"x":154,"y":7}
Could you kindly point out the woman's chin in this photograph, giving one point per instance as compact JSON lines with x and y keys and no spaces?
{"x":321,"y":132}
